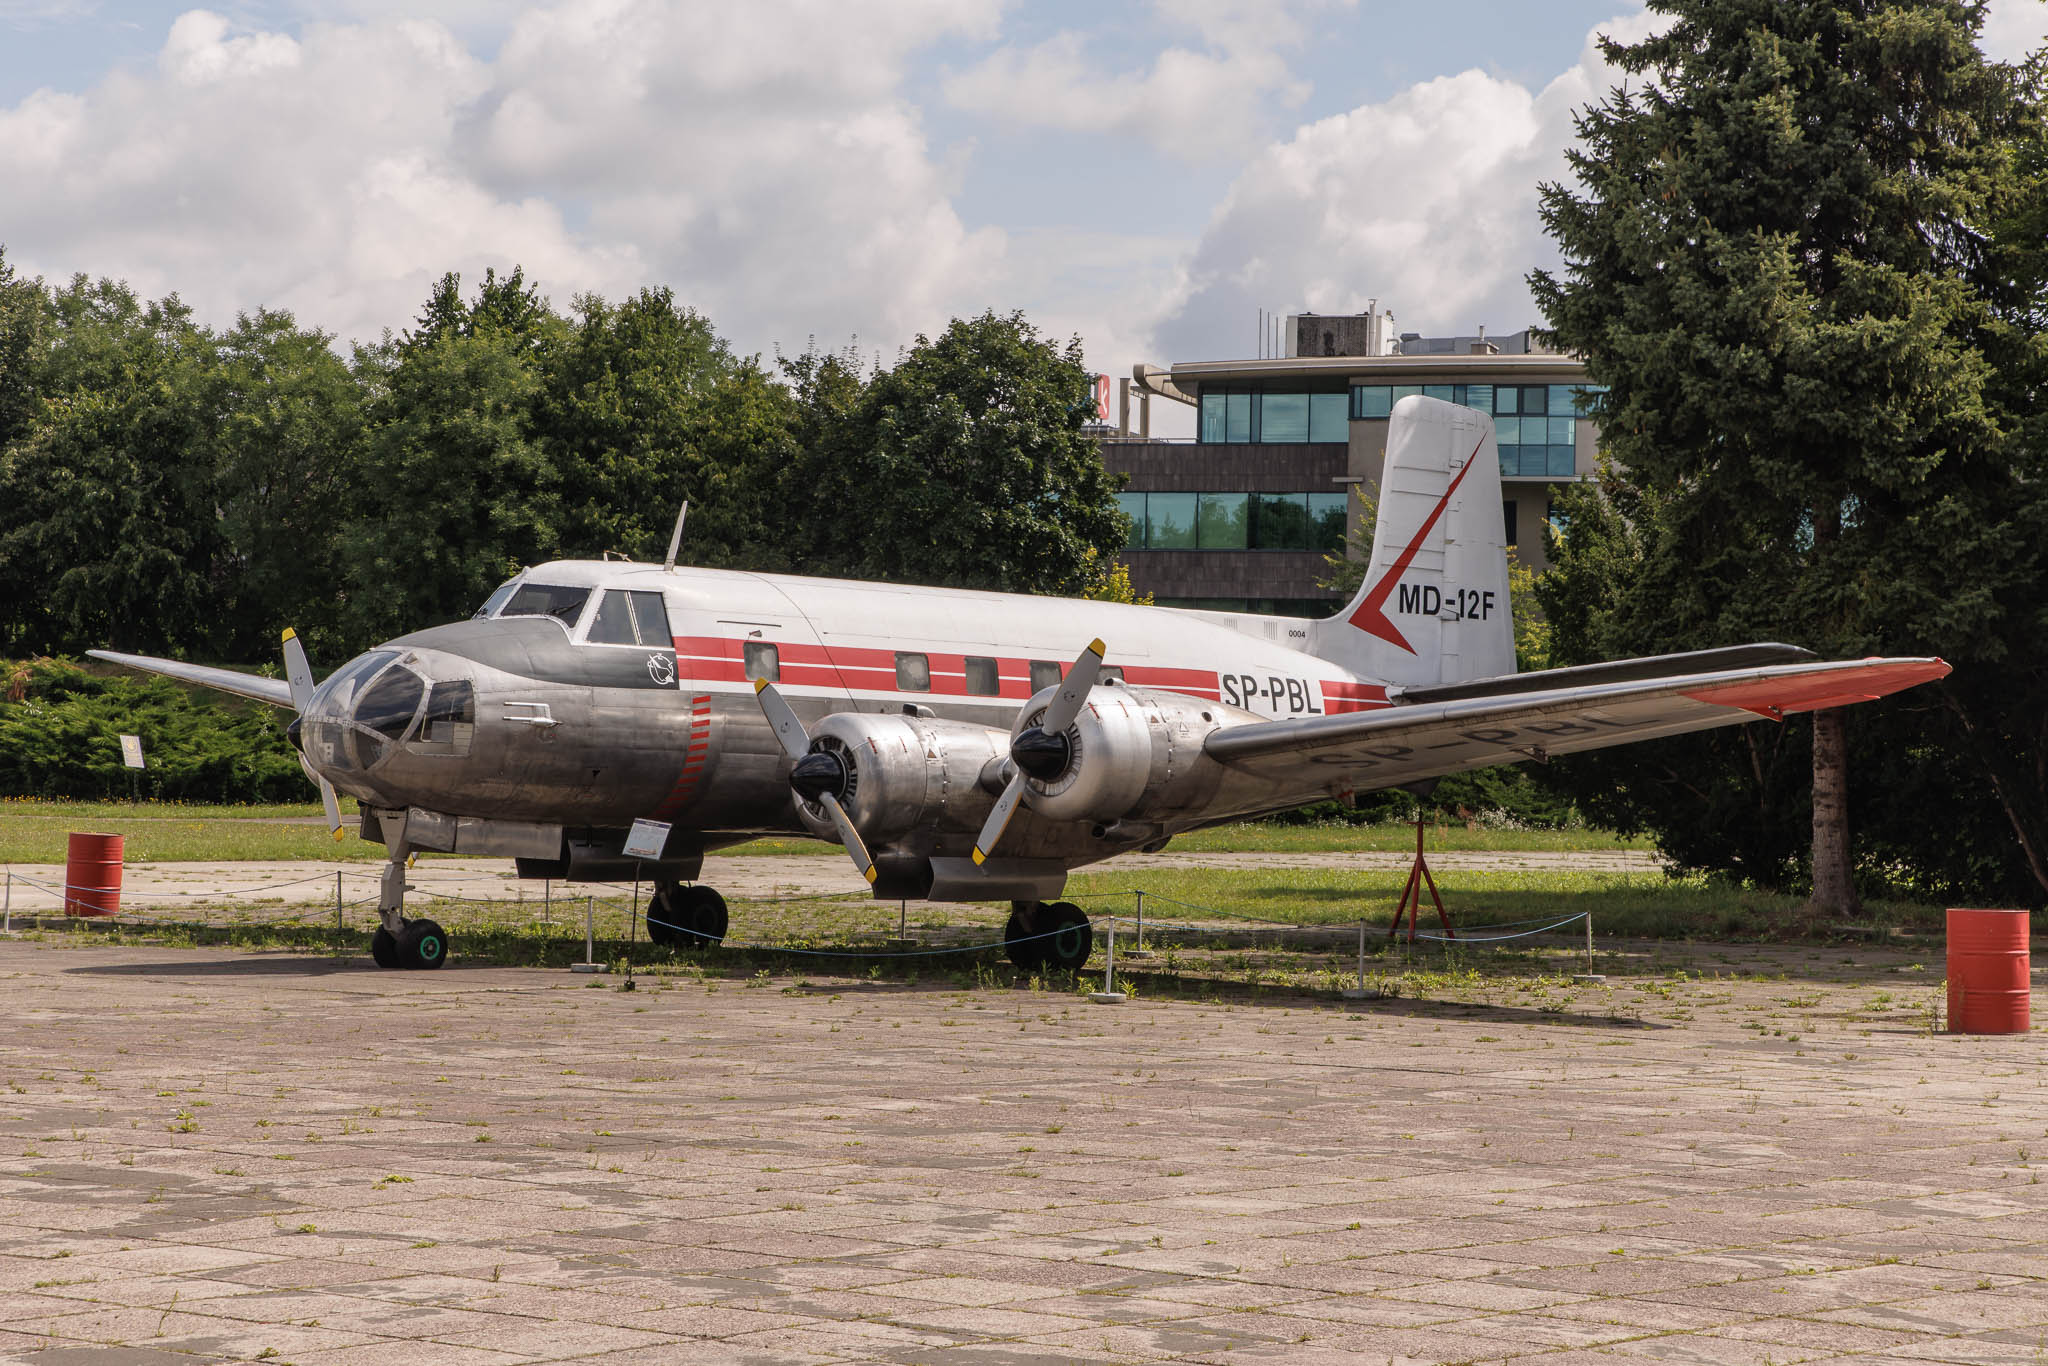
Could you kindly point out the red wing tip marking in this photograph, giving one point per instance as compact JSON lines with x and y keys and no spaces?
{"x":1844,"y":686}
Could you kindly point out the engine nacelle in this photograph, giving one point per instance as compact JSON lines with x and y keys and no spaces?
{"x":907,"y":773}
{"x":1136,"y":753}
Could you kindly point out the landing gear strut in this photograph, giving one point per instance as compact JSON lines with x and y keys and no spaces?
{"x":399,"y":942}
{"x":1054,"y":935}
{"x":681,"y":917}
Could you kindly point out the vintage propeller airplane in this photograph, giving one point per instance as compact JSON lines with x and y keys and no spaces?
{"x":936,"y":734}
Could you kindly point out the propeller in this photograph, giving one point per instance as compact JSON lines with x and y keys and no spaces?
{"x":1042,"y":751}
{"x":300,"y":674}
{"x":819,"y":776}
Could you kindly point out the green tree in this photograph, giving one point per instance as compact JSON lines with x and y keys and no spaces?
{"x":1776,"y":262}
{"x":965,"y":465}
{"x":107,"y":525}
{"x":453,"y":493}
{"x":285,"y":448}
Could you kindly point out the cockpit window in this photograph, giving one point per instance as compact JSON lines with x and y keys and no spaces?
{"x":636,"y":618}
{"x":388,"y":704}
{"x":560,"y":601}
{"x":337,"y":687}
{"x":496,"y":600}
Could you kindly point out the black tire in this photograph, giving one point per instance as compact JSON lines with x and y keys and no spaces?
{"x":384,"y":948}
{"x":1072,"y":936}
{"x":703,"y":912}
{"x":665,"y":922}
{"x":422,"y":945}
{"x":1026,"y":953}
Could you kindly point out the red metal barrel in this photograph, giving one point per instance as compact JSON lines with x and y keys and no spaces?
{"x":92,"y":875}
{"x":1988,"y":974}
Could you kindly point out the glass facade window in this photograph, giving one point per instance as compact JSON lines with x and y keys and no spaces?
{"x":1507,"y":519}
{"x":1169,"y":521}
{"x":1237,"y":417}
{"x":1280,"y":521}
{"x":1222,"y":522}
{"x":1283,"y":419}
{"x":1329,"y":417}
{"x":1132,"y":505}
{"x":1535,"y":426}
{"x":1286,"y":418}
{"x":1326,"y":514}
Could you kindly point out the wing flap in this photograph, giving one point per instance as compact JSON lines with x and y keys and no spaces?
{"x":1406,"y":744}
{"x":276,"y":691}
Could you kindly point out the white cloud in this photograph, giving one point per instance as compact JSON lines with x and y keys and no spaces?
{"x":2014,"y":29}
{"x":1194,"y":105}
{"x":1426,"y":202}
{"x":757,"y":158}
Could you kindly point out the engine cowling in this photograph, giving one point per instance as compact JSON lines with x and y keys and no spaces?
{"x":906,"y":773}
{"x":1131,"y":754}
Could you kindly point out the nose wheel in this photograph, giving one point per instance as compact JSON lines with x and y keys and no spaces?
{"x":419,"y":944}
{"x":686,"y":917}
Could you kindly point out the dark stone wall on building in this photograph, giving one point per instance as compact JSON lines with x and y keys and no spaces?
{"x":1186,"y":467}
{"x":1227,"y":573}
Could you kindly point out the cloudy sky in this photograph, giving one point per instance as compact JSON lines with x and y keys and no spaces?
{"x":1147,"y":175}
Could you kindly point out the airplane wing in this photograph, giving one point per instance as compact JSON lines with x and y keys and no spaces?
{"x":1405,"y":744}
{"x":276,"y":691}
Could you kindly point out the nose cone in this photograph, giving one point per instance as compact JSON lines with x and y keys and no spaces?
{"x":817,"y":773}
{"x":1042,"y":754}
{"x":294,"y":731}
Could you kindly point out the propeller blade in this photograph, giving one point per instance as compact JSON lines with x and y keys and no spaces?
{"x":297,"y":671}
{"x":848,"y":836}
{"x":782,"y":720}
{"x":299,"y":674}
{"x":1073,"y":693}
{"x":998,"y":819}
{"x":333,"y":807}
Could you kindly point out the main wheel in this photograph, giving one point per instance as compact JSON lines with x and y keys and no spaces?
{"x":1027,"y":953}
{"x":384,"y":948}
{"x":666,"y":923}
{"x":702,"y":913}
{"x":1073,"y":937}
{"x":422,"y":944}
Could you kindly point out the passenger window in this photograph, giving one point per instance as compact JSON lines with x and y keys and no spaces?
{"x":613,"y":624}
{"x":913,"y":673}
{"x":762,"y":661}
{"x":1045,"y":673}
{"x":650,"y":618}
{"x":981,"y":677}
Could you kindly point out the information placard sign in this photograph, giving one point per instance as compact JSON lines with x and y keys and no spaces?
{"x":647,"y":839}
{"x":131,"y":751}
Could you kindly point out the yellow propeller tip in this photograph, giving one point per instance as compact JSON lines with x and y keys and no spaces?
{"x":289,"y":634}
{"x":759,"y":684}
{"x":870,"y":873}
{"x":1098,"y":647}
{"x":337,"y":834}
{"x":979,"y":857}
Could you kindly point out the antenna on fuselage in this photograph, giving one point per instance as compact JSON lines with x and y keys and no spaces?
{"x":675,"y":542}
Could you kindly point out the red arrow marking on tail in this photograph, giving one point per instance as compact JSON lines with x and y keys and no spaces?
{"x":1371,"y":616}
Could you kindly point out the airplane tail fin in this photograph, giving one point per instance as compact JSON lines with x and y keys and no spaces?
{"x":1434,"y":604}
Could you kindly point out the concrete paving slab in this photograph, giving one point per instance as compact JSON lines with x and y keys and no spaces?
{"x":209,"y":1155}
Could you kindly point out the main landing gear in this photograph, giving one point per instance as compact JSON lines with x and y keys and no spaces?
{"x":399,"y":942}
{"x":680,"y":917}
{"x":1053,"y":935}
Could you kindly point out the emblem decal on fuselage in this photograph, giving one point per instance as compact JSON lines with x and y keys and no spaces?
{"x":662,"y":669}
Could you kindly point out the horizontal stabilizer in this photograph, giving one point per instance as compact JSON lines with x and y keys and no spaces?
{"x":276,"y":691}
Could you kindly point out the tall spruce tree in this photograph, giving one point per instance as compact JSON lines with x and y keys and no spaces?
{"x":1777,"y":260}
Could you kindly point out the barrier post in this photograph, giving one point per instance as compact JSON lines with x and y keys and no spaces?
{"x":589,"y":938}
{"x":1589,"y":975}
{"x":1359,"y":993}
{"x":337,"y":898}
{"x":1109,"y":995}
{"x":1138,"y":950}
{"x":9,"y":926}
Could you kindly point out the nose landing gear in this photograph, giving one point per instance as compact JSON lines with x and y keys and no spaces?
{"x":399,"y":942}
